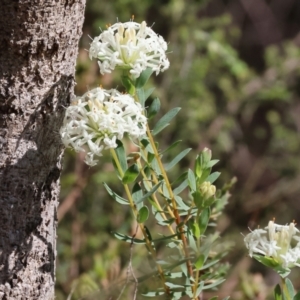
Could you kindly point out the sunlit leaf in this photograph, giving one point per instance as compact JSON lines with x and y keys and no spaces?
{"x":149,"y":194}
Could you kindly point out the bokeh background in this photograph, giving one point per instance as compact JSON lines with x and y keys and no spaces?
{"x":235,"y":71}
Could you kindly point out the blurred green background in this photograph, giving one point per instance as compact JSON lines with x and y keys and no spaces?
{"x":235,"y":73}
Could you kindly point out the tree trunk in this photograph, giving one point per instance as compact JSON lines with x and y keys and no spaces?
{"x":38,"y":49}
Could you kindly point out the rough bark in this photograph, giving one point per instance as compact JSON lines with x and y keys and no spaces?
{"x":38,"y":49}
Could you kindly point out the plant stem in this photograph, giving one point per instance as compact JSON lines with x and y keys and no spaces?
{"x":141,"y":225}
{"x":173,"y":201}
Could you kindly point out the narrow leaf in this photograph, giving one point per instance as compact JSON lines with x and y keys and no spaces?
{"x":181,"y":204}
{"x":140,"y":93}
{"x":131,"y":174}
{"x":120,"y":151}
{"x":115,"y":196}
{"x":148,"y":92}
{"x":153,"y":108}
{"x":192,"y":180}
{"x":171,"y":147}
{"x":177,"y":159}
{"x":214,"y":284}
{"x":204,"y":219}
{"x":143,"y":78}
{"x":164,"y":121}
{"x":149,"y":194}
{"x":213,"y":177}
{"x":128,"y":239}
{"x":181,"y":187}
{"x":211,"y":163}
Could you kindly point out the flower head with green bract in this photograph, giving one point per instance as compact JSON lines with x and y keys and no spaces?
{"x":277,"y":246}
{"x":96,"y":120}
{"x":130,"y":46}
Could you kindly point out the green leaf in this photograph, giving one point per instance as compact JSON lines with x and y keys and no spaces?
{"x":177,"y":159}
{"x":214,"y":284}
{"x":213,"y":177}
{"x":149,"y":194}
{"x":211,"y":163}
{"x":131,"y":174}
{"x":143,"y":78}
{"x":164,"y":121}
{"x":153,"y":294}
{"x":173,"y":286}
{"x":148,"y":92}
{"x":120,"y":152}
{"x":153,"y":109}
{"x":200,"y":261}
{"x":128,"y":239}
{"x":277,"y":292}
{"x":143,"y":214}
{"x":115,"y":196}
{"x":289,"y":292}
{"x":196,"y":230}
{"x":140,"y":93}
{"x":171,"y":147}
{"x":146,"y":144}
{"x":198,"y":199}
{"x":137,"y":194}
{"x":181,"y":204}
{"x":128,"y":84}
{"x":204,"y":219}
{"x":297,"y":296}
{"x":192,"y":180}
{"x":181,"y":187}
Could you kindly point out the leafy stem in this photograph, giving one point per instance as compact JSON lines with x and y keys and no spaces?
{"x":141,"y":225}
{"x":174,"y":205}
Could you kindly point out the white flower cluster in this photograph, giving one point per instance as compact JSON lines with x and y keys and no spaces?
{"x":131,"y":46}
{"x":275,"y":241}
{"x":96,"y":120}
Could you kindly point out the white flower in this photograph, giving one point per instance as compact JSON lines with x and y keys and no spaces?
{"x":279,"y":242}
{"x":98,"y":119}
{"x":130,"y":46}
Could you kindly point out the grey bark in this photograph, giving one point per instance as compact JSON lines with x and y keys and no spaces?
{"x":38,"y":49}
